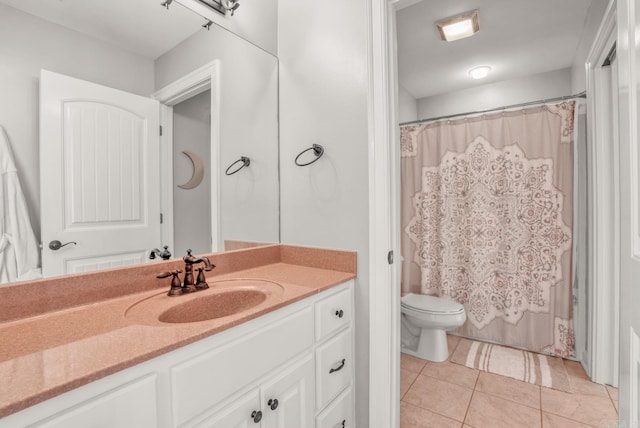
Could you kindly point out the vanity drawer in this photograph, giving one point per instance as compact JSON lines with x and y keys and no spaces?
{"x":204,"y":381}
{"x":338,"y":414}
{"x":334,"y":367}
{"x":333,"y":313}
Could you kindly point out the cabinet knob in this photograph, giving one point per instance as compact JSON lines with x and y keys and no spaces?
{"x":273,"y":403}
{"x":339,"y":313}
{"x":343,"y":423}
{"x":337,"y":369}
{"x":257,"y":416}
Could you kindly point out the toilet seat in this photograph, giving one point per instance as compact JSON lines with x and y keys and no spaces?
{"x":431,"y":304}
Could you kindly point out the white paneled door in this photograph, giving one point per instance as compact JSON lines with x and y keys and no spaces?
{"x":99,"y":175}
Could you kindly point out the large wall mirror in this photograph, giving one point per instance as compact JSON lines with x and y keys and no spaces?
{"x":176,"y":186}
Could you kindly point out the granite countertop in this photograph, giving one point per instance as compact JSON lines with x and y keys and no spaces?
{"x":52,"y":345}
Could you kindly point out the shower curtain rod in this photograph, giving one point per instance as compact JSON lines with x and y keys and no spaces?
{"x":582,"y":94}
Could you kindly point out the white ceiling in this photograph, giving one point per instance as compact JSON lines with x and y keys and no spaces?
{"x":140,"y":26}
{"x":516,"y":38}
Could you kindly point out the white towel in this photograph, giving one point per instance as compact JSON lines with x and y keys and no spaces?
{"x":19,"y":253}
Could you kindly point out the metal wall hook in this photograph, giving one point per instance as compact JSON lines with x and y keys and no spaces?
{"x":245,"y":162}
{"x":318,"y":150}
{"x":207,"y":25}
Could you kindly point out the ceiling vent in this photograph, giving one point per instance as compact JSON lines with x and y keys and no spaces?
{"x":459,"y":26}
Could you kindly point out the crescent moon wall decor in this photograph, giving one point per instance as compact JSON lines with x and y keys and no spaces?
{"x":198,"y":171}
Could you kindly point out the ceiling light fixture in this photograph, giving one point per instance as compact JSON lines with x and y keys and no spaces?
{"x":459,"y":26}
{"x":480,"y":72}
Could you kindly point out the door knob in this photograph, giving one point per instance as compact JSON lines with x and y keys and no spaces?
{"x":56,"y":245}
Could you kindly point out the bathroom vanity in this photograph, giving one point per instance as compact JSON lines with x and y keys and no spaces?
{"x":285,"y":362}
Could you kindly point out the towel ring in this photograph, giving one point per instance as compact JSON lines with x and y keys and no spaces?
{"x":245,"y":162}
{"x":318,"y":150}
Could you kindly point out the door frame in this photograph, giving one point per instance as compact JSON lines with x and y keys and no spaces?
{"x":603,"y":229}
{"x":628,"y":19}
{"x":194,"y":83}
{"x":384,"y":397}
{"x":384,"y":217}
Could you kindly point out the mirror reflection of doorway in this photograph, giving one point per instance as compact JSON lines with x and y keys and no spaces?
{"x":192,"y":207}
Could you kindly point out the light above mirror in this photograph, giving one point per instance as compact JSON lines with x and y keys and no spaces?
{"x":222,"y":6}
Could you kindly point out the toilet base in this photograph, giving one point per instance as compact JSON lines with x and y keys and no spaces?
{"x":432,"y":346}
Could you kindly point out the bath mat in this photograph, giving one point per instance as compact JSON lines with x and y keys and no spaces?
{"x":526,"y":366}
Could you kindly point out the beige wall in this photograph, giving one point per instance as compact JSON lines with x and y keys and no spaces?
{"x":407,"y":106}
{"x":192,"y":207}
{"x":247,"y":126}
{"x":494,"y":95}
{"x":591,"y":25}
{"x":254,"y":21}
{"x":323,"y":54}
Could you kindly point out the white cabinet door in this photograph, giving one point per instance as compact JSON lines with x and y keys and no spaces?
{"x":243,"y":413}
{"x":204,"y":381}
{"x":132,"y":405}
{"x":287,"y":400}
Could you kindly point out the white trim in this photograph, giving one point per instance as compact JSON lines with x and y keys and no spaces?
{"x":194,"y":83}
{"x":603,"y":255}
{"x":166,"y":177}
{"x":401,"y":4}
{"x":634,"y":385}
{"x":579,"y":254}
{"x":384,"y":290}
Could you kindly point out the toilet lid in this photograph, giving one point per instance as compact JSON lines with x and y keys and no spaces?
{"x":432,"y":304}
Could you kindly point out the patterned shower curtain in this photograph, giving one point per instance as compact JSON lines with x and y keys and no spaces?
{"x":487,"y":209}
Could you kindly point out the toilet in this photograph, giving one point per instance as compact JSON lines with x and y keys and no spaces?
{"x":425,"y":322}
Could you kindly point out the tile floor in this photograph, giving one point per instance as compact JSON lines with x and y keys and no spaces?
{"x":443,"y":395}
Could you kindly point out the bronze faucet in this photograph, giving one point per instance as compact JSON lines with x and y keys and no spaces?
{"x":189,"y":285}
{"x":165,"y":254}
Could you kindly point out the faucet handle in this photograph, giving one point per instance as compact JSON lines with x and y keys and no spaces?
{"x":168,"y":274}
{"x":176,"y":287}
{"x":201,"y":281}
